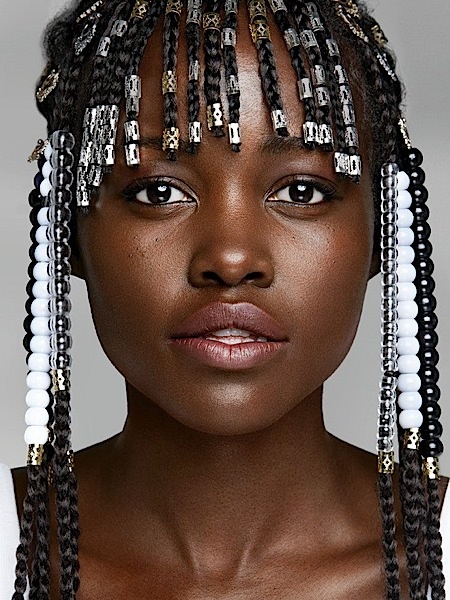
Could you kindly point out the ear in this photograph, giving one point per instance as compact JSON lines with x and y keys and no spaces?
{"x":375,"y":264}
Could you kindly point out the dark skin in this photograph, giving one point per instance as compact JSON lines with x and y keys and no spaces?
{"x":226,"y":484}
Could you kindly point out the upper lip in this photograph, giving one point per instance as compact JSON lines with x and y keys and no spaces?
{"x":220,"y":315}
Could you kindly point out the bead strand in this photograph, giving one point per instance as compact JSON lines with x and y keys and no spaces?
{"x":409,"y":399}
{"x":387,"y":394}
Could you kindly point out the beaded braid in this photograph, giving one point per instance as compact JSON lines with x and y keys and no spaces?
{"x":171,"y":134}
{"x":229,"y":33}
{"x":193,"y":22}
{"x":267,"y":67}
{"x":292,"y":41}
{"x":213,"y":63}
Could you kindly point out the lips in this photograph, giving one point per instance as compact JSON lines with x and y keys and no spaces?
{"x":230,"y":336}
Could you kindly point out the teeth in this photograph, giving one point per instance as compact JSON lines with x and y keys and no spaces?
{"x":231,"y":333}
{"x":234,"y":336}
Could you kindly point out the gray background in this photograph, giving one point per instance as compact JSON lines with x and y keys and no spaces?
{"x":418,"y":31}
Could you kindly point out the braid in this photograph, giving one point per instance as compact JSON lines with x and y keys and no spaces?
{"x":27,"y":523}
{"x":193,"y":93}
{"x":40,"y":582}
{"x":412,"y":494}
{"x":386,"y":495}
{"x":213,"y":62}
{"x":65,"y":513}
{"x":231,"y":72}
{"x":433,"y":543}
{"x":170,"y":47}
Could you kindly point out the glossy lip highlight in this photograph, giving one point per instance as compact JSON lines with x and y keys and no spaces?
{"x":217,"y":316}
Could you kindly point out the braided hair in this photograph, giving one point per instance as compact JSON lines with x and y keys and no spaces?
{"x":101,"y":47}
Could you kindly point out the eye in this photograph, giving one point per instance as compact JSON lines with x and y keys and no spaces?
{"x":157,"y":192}
{"x":302,"y":192}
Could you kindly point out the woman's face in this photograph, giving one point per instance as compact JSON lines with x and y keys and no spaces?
{"x":227,"y":231}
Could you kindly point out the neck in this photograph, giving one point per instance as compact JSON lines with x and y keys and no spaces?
{"x":239,"y":495}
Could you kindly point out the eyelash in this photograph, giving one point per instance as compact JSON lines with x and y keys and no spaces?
{"x":131,"y":192}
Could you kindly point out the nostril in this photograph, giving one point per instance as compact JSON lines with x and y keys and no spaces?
{"x":212,"y":276}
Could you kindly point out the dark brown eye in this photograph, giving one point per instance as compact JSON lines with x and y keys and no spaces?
{"x":299,"y":192}
{"x":161,"y":193}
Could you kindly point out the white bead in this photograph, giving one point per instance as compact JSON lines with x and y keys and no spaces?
{"x":40,"y":290}
{"x":402,"y":181}
{"x":40,"y":343}
{"x":405,"y":236}
{"x":405,"y":255}
{"x":36,"y":416}
{"x":407,"y":345}
{"x":41,"y":253}
{"x":36,"y":435}
{"x":39,"y":308}
{"x":406,"y":273}
{"x":404,"y":199}
{"x":406,"y":291}
{"x":407,"y":309}
{"x":41,"y":235}
{"x":38,"y":361}
{"x":408,"y":382}
{"x":410,"y":400}
{"x":40,"y":271}
{"x":42,"y":216}
{"x":46,"y":169}
{"x":410,"y":419}
{"x":38,"y":381}
{"x":40,"y":326}
{"x":405,"y":218}
{"x":408,"y":363}
{"x":407,"y":328}
{"x":39,"y":398}
{"x":48,"y":151}
{"x":45,"y":188}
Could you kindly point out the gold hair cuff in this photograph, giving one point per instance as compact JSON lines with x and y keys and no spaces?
{"x":169,"y":82}
{"x":171,"y":138}
{"x":174,"y":6}
{"x":257,"y":9}
{"x":48,"y":85}
{"x":259,"y":30}
{"x":411,"y":439}
{"x":385,"y":462}
{"x":35,"y":455}
{"x":211,"y":20}
{"x":140,"y":9}
{"x":431,"y":467}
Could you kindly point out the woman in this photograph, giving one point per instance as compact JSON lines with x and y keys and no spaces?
{"x":226,"y":292}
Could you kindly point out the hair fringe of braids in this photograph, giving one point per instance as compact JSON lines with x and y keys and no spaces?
{"x":213,"y":64}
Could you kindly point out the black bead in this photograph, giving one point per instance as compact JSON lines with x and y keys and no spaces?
{"x":431,"y":448}
{"x":431,"y":428}
{"x":429,"y":357}
{"x":27,"y":323}
{"x":417,"y":176}
{"x":34,"y":199}
{"x":428,"y":322}
{"x":419,"y":194}
{"x":431,"y":410}
{"x":414,"y":157}
{"x":31,"y":252}
{"x":429,"y":374}
{"x":38,"y":179}
{"x":428,"y":339}
{"x":425,"y":283}
{"x":423,"y":264}
{"x":28,"y":304}
{"x":41,"y":161}
{"x":422,"y":230}
{"x":427,"y":303}
{"x":27,"y":341}
{"x":29,"y":287}
{"x":421,"y":213}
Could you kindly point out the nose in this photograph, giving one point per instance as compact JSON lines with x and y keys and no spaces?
{"x":232,"y":248}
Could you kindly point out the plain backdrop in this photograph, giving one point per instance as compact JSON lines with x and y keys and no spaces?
{"x":417,"y":30}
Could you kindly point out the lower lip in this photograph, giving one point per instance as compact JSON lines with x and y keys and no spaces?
{"x":233,"y":357}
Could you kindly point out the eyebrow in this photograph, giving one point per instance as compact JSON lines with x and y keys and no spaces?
{"x":272,"y":145}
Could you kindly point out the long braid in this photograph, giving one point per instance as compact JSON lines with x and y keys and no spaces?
{"x":386,"y":495}
{"x":433,"y":542}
